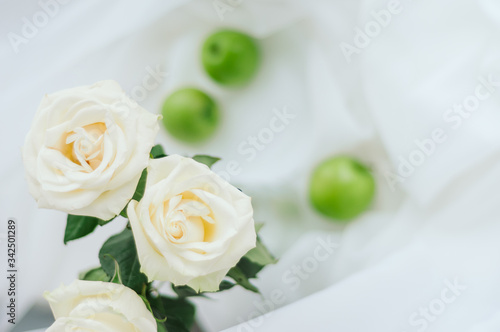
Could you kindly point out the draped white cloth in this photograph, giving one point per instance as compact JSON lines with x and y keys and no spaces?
{"x":409,"y":87}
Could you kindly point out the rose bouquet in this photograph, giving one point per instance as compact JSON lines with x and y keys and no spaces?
{"x":90,"y":152}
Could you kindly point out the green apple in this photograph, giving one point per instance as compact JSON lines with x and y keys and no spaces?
{"x":230,"y":57}
{"x":190,"y":115}
{"x":341,"y":188}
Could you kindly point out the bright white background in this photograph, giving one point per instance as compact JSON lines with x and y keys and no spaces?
{"x":440,"y":226}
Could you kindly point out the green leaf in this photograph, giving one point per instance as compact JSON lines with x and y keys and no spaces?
{"x":141,"y":186}
{"x":225,"y":285}
{"x":250,"y":265}
{"x":104,"y":222}
{"x":260,"y":254}
{"x":258,"y":227}
{"x":245,"y":270}
{"x":121,"y":247}
{"x":205,"y":159}
{"x":139,"y":191}
{"x":96,"y":274}
{"x":241,"y":278}
{"x":161,"y":327}
{"x":117,"y":276}
{"x":124,"y":211}
{"x":180,"y":313}
{"x":249,"y":268}
{"x":157,"y":308}
{"x":157,"y":152}
{"x":185,"y":291}
{"x":79,"y":226}
{"x":174,"y":325}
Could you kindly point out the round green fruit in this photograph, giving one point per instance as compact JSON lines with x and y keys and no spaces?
{"x":190,"y":115}
{"x":230,"y":57}
{"x":341,"y":188}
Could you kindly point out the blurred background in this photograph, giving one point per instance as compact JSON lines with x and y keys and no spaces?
{"x":408,"y":88}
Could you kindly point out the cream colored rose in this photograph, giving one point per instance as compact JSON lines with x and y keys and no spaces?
{"x":98,"y":306}
{"x":86,"y":149}
{"x":191,"y":226}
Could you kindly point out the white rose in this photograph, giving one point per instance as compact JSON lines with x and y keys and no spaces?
{"x":86,"y":149}
{"x":191,"y":226}
{"x":98,"y":306}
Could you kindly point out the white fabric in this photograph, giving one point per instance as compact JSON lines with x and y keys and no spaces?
{"x":437,"y":228}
